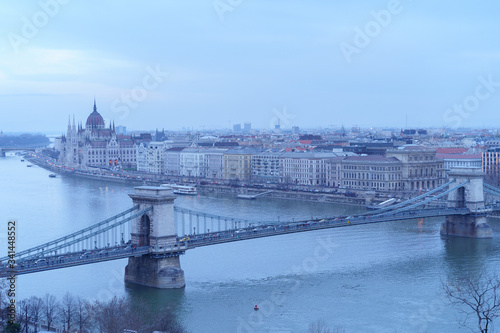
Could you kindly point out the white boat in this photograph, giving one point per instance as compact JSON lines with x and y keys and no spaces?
{"x":182,"y":189}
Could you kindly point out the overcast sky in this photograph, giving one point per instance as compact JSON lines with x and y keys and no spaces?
{"x":210,"y":64}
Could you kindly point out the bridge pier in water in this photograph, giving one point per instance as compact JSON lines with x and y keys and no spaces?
{"x":156,"y":229}
{"x":469,"y":196}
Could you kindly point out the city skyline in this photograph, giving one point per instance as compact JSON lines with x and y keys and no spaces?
{"x":218,"y":63}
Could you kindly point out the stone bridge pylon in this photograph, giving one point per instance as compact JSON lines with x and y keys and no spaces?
{"x":156,"y":229}
{"x":470,"y":196}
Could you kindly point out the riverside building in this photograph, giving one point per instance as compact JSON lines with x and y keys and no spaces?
{"x":95,"y":146}
{"x":420,"y":170}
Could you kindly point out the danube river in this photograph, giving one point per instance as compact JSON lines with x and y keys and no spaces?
{"x":373,"y":278}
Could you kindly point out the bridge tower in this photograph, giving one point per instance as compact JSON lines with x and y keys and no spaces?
{"x":156,"y":229}
{"x":468,"y":196}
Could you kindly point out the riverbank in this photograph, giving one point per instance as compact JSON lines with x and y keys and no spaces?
{"x":211,"y":188}
{"x":282,"y":194}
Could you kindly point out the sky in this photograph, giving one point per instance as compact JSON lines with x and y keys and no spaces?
{"x":209,"y":64}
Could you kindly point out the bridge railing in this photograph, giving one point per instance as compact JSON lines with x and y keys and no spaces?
{"x":409,"y":201}
{"x":425,"y":201}
{"x":81,"y":235}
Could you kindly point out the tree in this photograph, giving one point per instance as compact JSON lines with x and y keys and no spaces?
{"x":50,"y":309}
{"x":12,"y":327}
{"x":164,"y":321}
{"x":110,"y":317}
{"x":118,"y":314}
{"x":23,"y":314}
{"x":3,"y":302}
{"x":67,"y":310}
{"x":477,"y":297}
{"x":83,"y":314}
{"x":320,"y":327}
{"x":35,"y":305}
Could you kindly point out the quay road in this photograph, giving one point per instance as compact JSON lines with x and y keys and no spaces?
{"x":35,"y":263}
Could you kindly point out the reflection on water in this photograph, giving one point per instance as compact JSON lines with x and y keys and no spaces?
{"x":468,"y":257}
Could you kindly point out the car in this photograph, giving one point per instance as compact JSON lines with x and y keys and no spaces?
{"x":185,"y":239}
{"x":103,"y":252}
{"x":86,"y":254}
{"x":62,"y":258}
{"x":41,"y":261}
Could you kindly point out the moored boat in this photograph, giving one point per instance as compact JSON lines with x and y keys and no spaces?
{"x":182,"y":189}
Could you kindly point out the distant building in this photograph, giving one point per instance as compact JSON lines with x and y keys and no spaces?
{"x":247,"y":127}
{"x":121,"y":130}
{"x":420,"y":168}
{"x":160,"y":136}
{"x":238,"y":164}
{"x":266,"y":167}
{"x":237,"y":128}
{"x":192,"y":162}
{"x":305,"y":168}
{"x":460,"y":161}
{"x":334,"y":171}
{"x":215,"y":163}
{"x":96,"y":146}
{"x":295,"y":130}
{"x":150,"y":157}
{"x":377,"y":173}
{"x":172,"y":161}
{"x":490,"y":160}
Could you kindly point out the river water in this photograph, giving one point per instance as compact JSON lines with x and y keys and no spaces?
{"x":375,"y":278}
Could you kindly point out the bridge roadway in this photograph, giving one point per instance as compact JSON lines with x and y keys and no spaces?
{"x":267,"y":230}
{"x":44,"y":263}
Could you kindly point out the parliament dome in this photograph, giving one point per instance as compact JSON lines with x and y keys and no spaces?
{"x":94,"y":120}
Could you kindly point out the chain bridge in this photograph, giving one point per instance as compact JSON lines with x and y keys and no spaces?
{"x":153,"y":233}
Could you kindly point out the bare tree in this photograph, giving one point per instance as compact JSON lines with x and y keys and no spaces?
{"x":83,"y":314}
{"x":477,"y":297}
{"x":50,"y":309}
{"x":110,"y":317}
{"x":164,"y":321}
{"x":320,"y":327}
{"x":35,"y":305}
{"x":67,"y":310}
{"x":3,"y":302}
{"x":118,"y":314}
{"x":23,"y":314}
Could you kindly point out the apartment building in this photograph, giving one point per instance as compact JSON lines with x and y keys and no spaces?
{"x":373,"y":172}
{"x":304,"y":168}
{"x":238,"y":164}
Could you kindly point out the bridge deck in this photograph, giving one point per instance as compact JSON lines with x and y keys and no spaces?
{"x":44,"y":263}
{"x":268,"y":230}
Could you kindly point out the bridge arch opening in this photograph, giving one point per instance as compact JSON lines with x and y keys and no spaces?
{"x":461,"y":197}
{"x":145,"y":230}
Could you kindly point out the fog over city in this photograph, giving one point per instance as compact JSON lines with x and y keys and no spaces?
{"x":211,"y":64}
